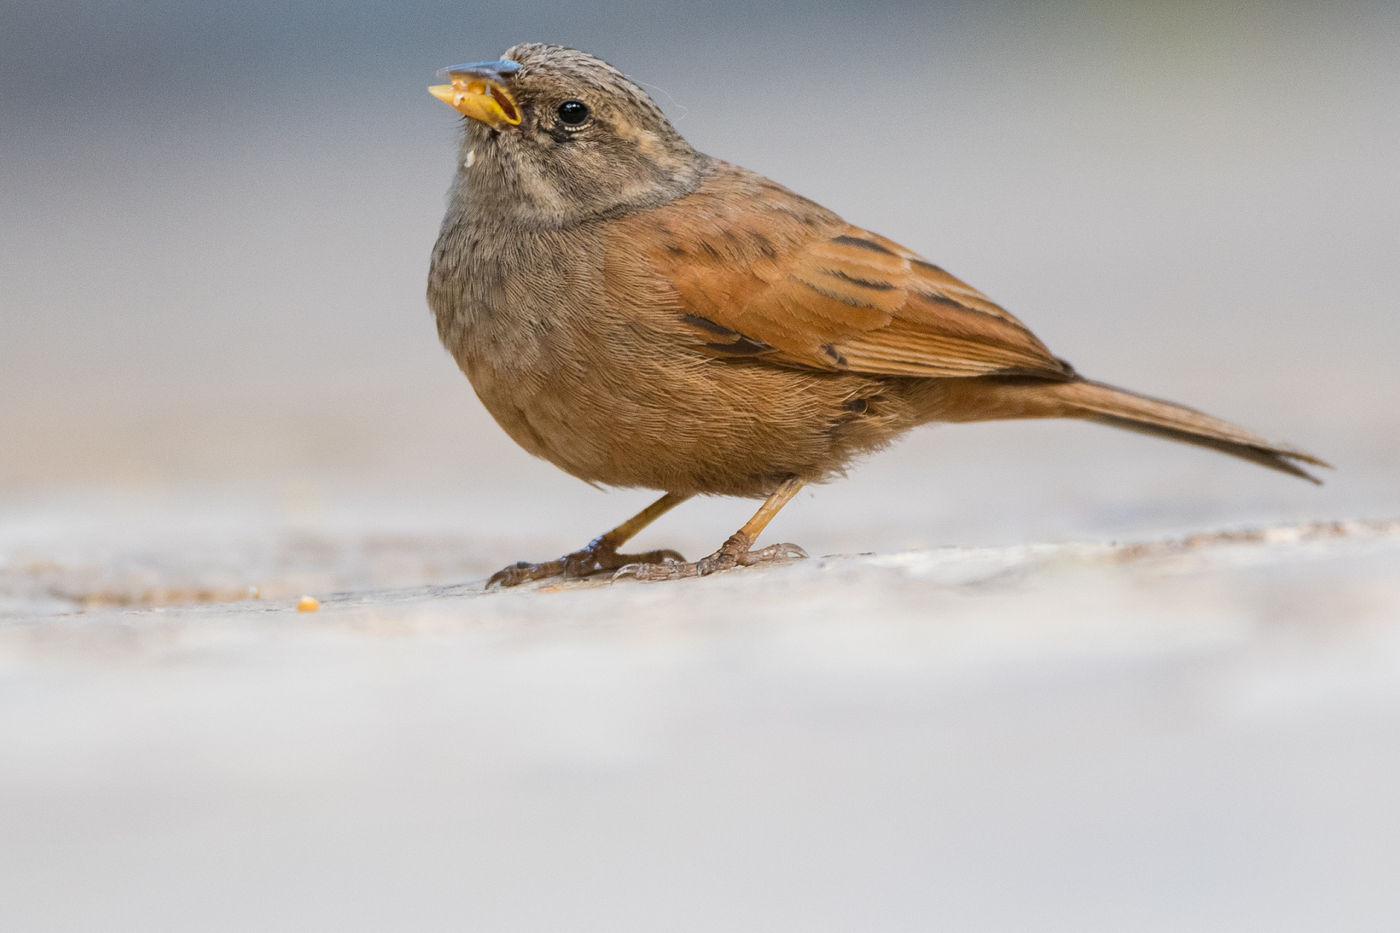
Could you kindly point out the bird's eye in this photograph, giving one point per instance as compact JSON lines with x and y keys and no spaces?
{"x":572,"y":112}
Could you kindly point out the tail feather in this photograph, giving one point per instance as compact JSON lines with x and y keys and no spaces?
{"x":1106,"y":404}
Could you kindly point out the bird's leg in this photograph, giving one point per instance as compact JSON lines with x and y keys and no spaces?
{"x":598,"y":555}
{"x":736,"y":552}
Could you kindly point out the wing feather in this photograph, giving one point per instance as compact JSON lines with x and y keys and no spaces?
{"x":761,"y":273}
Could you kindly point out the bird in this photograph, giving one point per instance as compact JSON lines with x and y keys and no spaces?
{"x":641,"y":314}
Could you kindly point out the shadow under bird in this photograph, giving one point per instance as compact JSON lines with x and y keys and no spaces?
{"x":641,"y":314}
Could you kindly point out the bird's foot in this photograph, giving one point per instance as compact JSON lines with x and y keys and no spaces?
{"x":733,"y":553}
{"x":598,"y":556}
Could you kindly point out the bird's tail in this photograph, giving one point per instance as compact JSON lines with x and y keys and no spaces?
{"x":1106,"y":404}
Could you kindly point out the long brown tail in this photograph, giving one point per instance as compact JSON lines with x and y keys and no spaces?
{"x":1106,"y":404}
{"x":985,"y":399}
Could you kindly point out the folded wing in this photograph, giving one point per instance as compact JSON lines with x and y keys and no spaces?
{"x":786,"y":281}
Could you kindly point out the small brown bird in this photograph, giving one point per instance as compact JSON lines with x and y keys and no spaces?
{"x":641,"y":314}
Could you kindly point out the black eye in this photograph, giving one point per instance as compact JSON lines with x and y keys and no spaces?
{"x":572,"y":112}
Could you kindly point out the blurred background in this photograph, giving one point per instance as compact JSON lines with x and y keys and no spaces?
{"x":217,"y":217}
{"x":219,"y":377}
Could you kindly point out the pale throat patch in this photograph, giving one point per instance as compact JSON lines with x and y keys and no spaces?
{"x":471,"y":158}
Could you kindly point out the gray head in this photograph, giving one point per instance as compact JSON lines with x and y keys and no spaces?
{"x":555,"y":136}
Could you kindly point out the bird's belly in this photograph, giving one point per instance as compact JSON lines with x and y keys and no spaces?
{"x":681,"y":422}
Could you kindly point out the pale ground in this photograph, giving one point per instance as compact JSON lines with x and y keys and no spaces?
{"x":1183,"y":734}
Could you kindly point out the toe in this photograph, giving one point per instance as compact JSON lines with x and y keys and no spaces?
{"x":507,"y":576}
{"x":655,"y":572}
{"x":784,"y":551}
{"x":523,"y":572}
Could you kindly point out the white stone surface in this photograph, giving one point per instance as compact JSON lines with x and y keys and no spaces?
{"x":1181,"y":734}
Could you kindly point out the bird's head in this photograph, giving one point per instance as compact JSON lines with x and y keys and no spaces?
{"x":554,"y":136}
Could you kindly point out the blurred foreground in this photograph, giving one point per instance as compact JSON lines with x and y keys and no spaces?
{"x":1190,"y":734}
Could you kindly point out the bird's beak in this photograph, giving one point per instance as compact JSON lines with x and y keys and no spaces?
{"x":478,"y":90}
